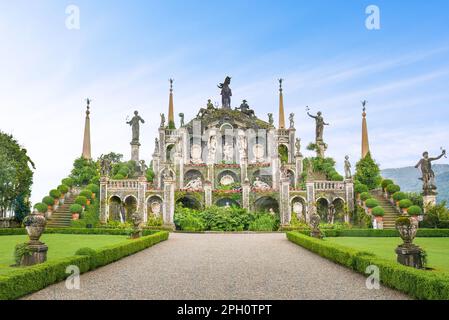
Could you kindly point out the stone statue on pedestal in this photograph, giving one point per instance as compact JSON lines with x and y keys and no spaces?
{"x":226,"y":93}
{"x":181,"y":117}
{"x":348,"y":173}
{"x":105,"y":166}
{"x":270,"y":119}
{"x":428,"y":176}
{"x":212,"y":148}
{"x":292,"y":120}
{"x":162,"y":120}
{"x":135,"y":124}
{"x":298,"y":146}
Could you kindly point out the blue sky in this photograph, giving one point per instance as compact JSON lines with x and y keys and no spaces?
{"x":125,"y":51}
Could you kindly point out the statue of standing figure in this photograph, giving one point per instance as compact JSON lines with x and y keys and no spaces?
{"x":270,"y":119}
{"x":135,"y":124}
{"x":348,"y":173}
{"x":226,"y":93}
{"x":105,"y":166}
{"x":292,"y":120}
{"x":319,"y":125}
{"x":212,"y":148}
{"x":162,"y":120}
{"x":298,"y":146}
{"x":428,"y":176}
{"x":181,"y":117}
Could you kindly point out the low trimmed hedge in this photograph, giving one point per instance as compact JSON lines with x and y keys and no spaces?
{"x":31,"y":279}
{"x":124,"y":232}
{"x":417,"y":283}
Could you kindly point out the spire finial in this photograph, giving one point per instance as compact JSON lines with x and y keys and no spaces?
{"x":280,"y":84}
{"x":88,"y":101}
{"x":364,"y":102}
{"x":171,"y":84}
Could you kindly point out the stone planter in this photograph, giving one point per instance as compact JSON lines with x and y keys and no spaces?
{"x":379,"y":222}
{"x":75,"y":216}
{"x":407,"y":253}
{"x":35,"y":226}
{"x":62,"y":199}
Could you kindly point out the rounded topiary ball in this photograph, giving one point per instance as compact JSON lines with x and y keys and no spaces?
{"x":49,"y":201}
{"x":76,"y":208}
{"x":415,"y":210}
{"x":405,"y":203}
{"x":398,"y":196}
{"x":360,"y":188}
{"x":393,"y":188}
{"x":378,"y":211}
{"x":81,"y":200}
{"x":41,"y":207}
{"x":86,"y":193}
{"x":365,"y":196}
{"x":386,"y":183}
{"x":371,"y":203}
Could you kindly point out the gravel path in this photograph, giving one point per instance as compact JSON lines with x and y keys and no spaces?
{"x":221,"y":266}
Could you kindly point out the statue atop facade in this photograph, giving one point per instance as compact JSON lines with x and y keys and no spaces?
{"x":135,"y":124}
{"x":156,"y":145}
{"x":319,"y":125}
{"x":226,"y":93}
{"x":244,"y":108}
{"x":212,"y":148}
{"x":142,"y":168}
{"x":348,"y":173}
{"x":162,"y":120}
{"x":242,"y":144}
{"x":181,"y":117}
{"x":228,"y":152}
{"x":428,"y":176}
{"x":291,"y":118}
{"x":105,"y":166}
{"x":270,"y":119}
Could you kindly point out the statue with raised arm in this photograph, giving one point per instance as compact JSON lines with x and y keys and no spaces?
{"x":135,"y":124}
{"x":428,"y":176}
{"x":348,"y":173}
{"x":162,"y":120}
{"x":226,"y":93}
{"x":319,"y":125}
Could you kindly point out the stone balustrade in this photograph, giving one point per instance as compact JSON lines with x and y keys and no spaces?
{"x":329,"y":185}
{"x":126,"y":184}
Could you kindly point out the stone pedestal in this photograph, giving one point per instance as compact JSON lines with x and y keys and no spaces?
{"x":135,"y":151}
{"x":284,"y":203}
{"x":169,"y":202}
{"x":299,"y":169}
{"x":321,"y":149}
{"x":37,"y":254}
{"x":208,"y":193}
{"x":410,"y":255}
{"x":104,"y":208}
{"x":246,"y":190}
{"x":429,"y":200}
{"x":141,"y":203}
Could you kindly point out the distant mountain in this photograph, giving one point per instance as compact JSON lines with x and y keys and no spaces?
{"x":408,"y":179}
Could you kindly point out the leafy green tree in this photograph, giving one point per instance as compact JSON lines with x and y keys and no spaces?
{"x":368,"y":172}
{"x":114,"y":157}
{"x":84,"y":172}
{"x":16,"y":176}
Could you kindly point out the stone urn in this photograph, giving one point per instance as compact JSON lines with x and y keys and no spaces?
{"x":35,"y":226}
{"x":408,"y":254}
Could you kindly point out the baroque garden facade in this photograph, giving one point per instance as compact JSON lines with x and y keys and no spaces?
{"x":227,"y":157}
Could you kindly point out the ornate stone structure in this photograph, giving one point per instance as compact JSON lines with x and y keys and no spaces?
{"x":224,"y":157}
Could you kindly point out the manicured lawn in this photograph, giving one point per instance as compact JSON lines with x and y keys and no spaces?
{"x":59,"y":246}
{"x":437,"y":248}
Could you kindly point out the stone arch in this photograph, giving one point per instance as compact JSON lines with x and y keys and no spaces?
{"x":264,"y":175}
{"x":154,"y":205}
{"x":227,"y":172}
{"x":291,"y":177}
{"x":116,"y":209}
{"x":191,"y":175}
{"x":283,"y":152}
{"x":223,"y":202}
{"x":322,"y":205}
{"x":299,"y":210}
{"x":339,"y":209}
{"x":189,"y":202}
{"x":170,"y":152}
{"x":265,"y":203}
{"x":130,"y":204}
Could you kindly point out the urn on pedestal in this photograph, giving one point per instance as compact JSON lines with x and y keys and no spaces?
{"x":36,"y":250}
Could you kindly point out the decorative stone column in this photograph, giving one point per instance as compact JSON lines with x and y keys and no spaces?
{"x":299,"y":168}
{"x":211,"y":174}
{"x":246,"y":191}
{"x":284,"y":205}
{"x":349,"y":188}
{"x":207,"y":193}
{"x":156,"y":169}
{"x":169,"y":202}
{"x":104,"y":207}
{"x":141,"y":205}
{"x":310,"y":189}
{"x":275,"y":171}
{"x":429,"y":200}
{"x":243,"y":168}
{"x":135,"y":151}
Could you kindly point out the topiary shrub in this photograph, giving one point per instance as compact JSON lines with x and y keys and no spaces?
{"x":414,"y":211}
{"x":386,"y":182}
{"x":55,"y":194}
{"x":93,"y":187}
{"x":403,"y":221}
{"x":76,"y":208}
{"x":371,"y":203}
{"x":63,"y":188}
{"x":393,"y":188}
{"x":68,"y":182}
{"x":360,"y":188}
{"x":41,"y":207}
{"x":405,"y":203}
{"x":378,"y":211}
{"x":398,"y":196}
{"x":365,"y":196}
{"x":49,"y":201}
{"x":86,"y":193}
{"x":118,"y":176}
{"x":81,"y":200}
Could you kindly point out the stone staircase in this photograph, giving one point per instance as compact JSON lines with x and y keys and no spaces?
{"x":61,"y":217}
{"x":391,"y":213}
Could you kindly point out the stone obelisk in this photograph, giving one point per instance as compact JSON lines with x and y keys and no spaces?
{"x":86,"y":141}
{"x":281,"y":107}
{"x":365,"y":141}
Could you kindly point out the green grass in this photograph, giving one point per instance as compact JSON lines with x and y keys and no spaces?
{"x":59,"y":246}
{"x":437,"y":248}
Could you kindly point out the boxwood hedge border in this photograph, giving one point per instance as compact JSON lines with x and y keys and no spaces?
{"x":21,"y":231}
{"x":419,"y":284}
{"x":24,"y":281}
{"x":422,"y":233}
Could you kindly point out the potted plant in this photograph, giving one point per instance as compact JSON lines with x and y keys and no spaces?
{"x":64,"y":190}
{"x":392,"y":189}
{"x":404,"y":205}
{"x":35,"y":225}
{"x":87,"y":194}
{"x":370,"y":204}
{"x":50,"y":202}
{"x":82,"y":201}
{"x":365,"y":196}
{"x":55,"y":194}
{"x":69,"y":183}
{"x":94,"y":188}
{"x":415,"y":211}
{"x":41,"y":208}
{"x":385,"y":184}
{"x":378,"y":213}
{"x":407,"y":229}
{"x":75,"y":210}
{"x":398,"y":196}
